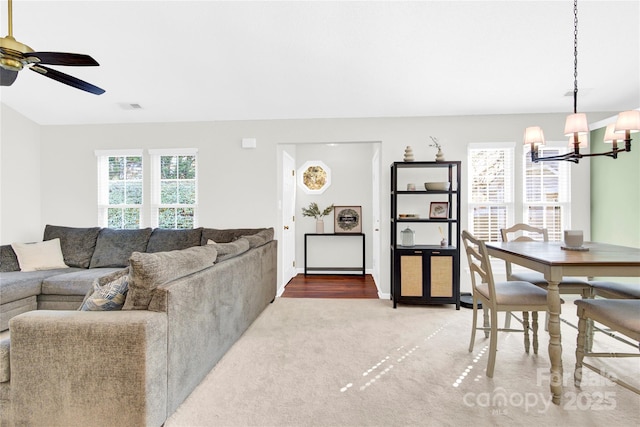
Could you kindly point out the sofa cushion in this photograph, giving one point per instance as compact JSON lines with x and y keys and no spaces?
{"x":76,"y":282}
{"x":108,"y":292}
{"x":163,"y":240}
{"x":39,"y":256}
{"x":231,"y":249}
{"x":77,"y":244}
{"x":259,"y":238}
{"x":150,"y":270}
{"x":16,"y":285}
{"x":8,"y":259}
{"x":226,"y":235}
{"x":114,"y":247}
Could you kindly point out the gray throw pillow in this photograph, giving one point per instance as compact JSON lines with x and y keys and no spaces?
{"x":114,"y":247}
{"x":230,"y":249}
{"x":260,"y":238}
{"x":226,"y":235}
{"x":150,"y":270}
{"x":107,"y":293}
{"x":163,"y":239}
{"x":77,"y":244}
{"x":8,"y":259}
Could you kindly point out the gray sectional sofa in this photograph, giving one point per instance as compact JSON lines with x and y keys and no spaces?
{"x":187,"y":303}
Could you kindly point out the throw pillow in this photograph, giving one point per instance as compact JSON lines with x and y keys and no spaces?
{"x":114,"y":247}
{"x":77,"y":244}
{"x":8,"y":259}
{"x":39,"y":256}
{"x":231,"y":249}
{"x":107,"y":293}
{"x":150,"y":270}
{"x":260,"y":238}
{"x":226,"y":235}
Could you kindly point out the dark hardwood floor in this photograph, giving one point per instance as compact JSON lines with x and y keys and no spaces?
{"x":330,"y":286}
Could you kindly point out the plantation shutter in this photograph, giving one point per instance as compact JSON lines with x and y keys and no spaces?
{"x":547,"y":191}
{"x":491,"y":189}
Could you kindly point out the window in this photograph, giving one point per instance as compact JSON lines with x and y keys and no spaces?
{"x":490,"y":189}
{"x":547,"y":195}
{"x":120,"y":190}
{"x":543,"y":200}
{"x":174,"y":188}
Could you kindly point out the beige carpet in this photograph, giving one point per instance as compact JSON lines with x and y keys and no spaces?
{"x":337,"y":362}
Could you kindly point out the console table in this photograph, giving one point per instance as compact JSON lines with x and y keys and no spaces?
{"x":360,"y":268}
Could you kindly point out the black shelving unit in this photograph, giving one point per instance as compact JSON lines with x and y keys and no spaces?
{"x":426,"y":273}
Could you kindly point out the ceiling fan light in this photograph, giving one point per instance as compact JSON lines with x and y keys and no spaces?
{"x":628,"y":121}
{"x":576,"y":123}
{"x":533,"y":135}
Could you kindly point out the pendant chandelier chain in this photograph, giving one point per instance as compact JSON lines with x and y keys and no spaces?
{"x":575,"y":56}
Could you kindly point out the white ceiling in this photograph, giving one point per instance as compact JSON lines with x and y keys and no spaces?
{"x":238,"y":60}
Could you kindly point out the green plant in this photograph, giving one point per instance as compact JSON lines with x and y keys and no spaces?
{"x":314,"y":211}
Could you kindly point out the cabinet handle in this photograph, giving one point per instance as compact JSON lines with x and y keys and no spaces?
{"x":436,"y":252}
{"x":417,"y":252}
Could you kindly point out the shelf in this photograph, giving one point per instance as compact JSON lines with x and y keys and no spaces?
{"x":443,"y":220}
{"x":423,"y":192}
{"x":425,"y":273}
{"x":422,"y":247}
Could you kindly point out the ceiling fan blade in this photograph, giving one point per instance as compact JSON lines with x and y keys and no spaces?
{"x":67,"y":79}
{"x":7,"y":77}
{"x":61,"y":58}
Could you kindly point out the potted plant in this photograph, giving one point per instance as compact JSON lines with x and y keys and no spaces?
{"x":314,"y":211}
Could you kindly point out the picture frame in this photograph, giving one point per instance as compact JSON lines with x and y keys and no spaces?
{"x":439,"y":210}
{"x":347,"y":219}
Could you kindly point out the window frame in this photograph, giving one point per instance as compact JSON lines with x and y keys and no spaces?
{"x":103,"y":158}
{"x":508,"y":201}
{"x":156,"y":181}
{"x":563,"y":202}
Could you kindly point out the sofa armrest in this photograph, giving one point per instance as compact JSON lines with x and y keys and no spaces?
{"x":89,"y":368}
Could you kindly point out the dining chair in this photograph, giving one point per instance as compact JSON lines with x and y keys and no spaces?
{"x":614,"y":290}
{"x":525,"y":232}
{"x":500,"y":297}
{"x":620,"y":315}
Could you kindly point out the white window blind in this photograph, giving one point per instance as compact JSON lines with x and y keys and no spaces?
{"x":491,"y":189}
{"x":174,"y":184}
{"x":547,"y":191}
{"x":120,"y":188}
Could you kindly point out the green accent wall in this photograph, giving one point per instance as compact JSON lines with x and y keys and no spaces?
{"x":615,"y":193}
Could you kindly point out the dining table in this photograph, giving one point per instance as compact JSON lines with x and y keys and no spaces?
{"x":552,"y":259}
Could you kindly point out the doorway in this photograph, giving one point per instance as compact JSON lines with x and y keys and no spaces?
{"x":355,"y":168}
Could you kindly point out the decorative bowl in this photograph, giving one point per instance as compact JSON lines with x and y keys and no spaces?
{"x":437,"y":186}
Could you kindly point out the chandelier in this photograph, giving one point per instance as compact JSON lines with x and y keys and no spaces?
{"x":576,"y":126}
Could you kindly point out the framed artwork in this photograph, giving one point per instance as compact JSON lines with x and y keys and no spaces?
{"x":347,"y":219}
{"x":439,"y":210}
{"x":314,"y":177}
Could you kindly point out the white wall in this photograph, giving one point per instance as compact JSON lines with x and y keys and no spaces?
{"x":240,"y":187}
{"x":20,"y":178}
{"x":350,"y":165}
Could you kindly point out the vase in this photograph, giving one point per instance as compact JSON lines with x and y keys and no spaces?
{"x":439,"y":156}
{"x":319,"y":226}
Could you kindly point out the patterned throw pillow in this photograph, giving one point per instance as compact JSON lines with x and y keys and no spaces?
{"x":108,"y":296}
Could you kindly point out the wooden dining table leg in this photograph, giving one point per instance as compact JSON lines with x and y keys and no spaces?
{"x":555,"y":341}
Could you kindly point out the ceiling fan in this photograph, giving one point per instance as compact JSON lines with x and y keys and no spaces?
{"x":14,"y":56}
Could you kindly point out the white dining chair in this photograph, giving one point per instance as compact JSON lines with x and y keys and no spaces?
{"x":500,"y":297}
